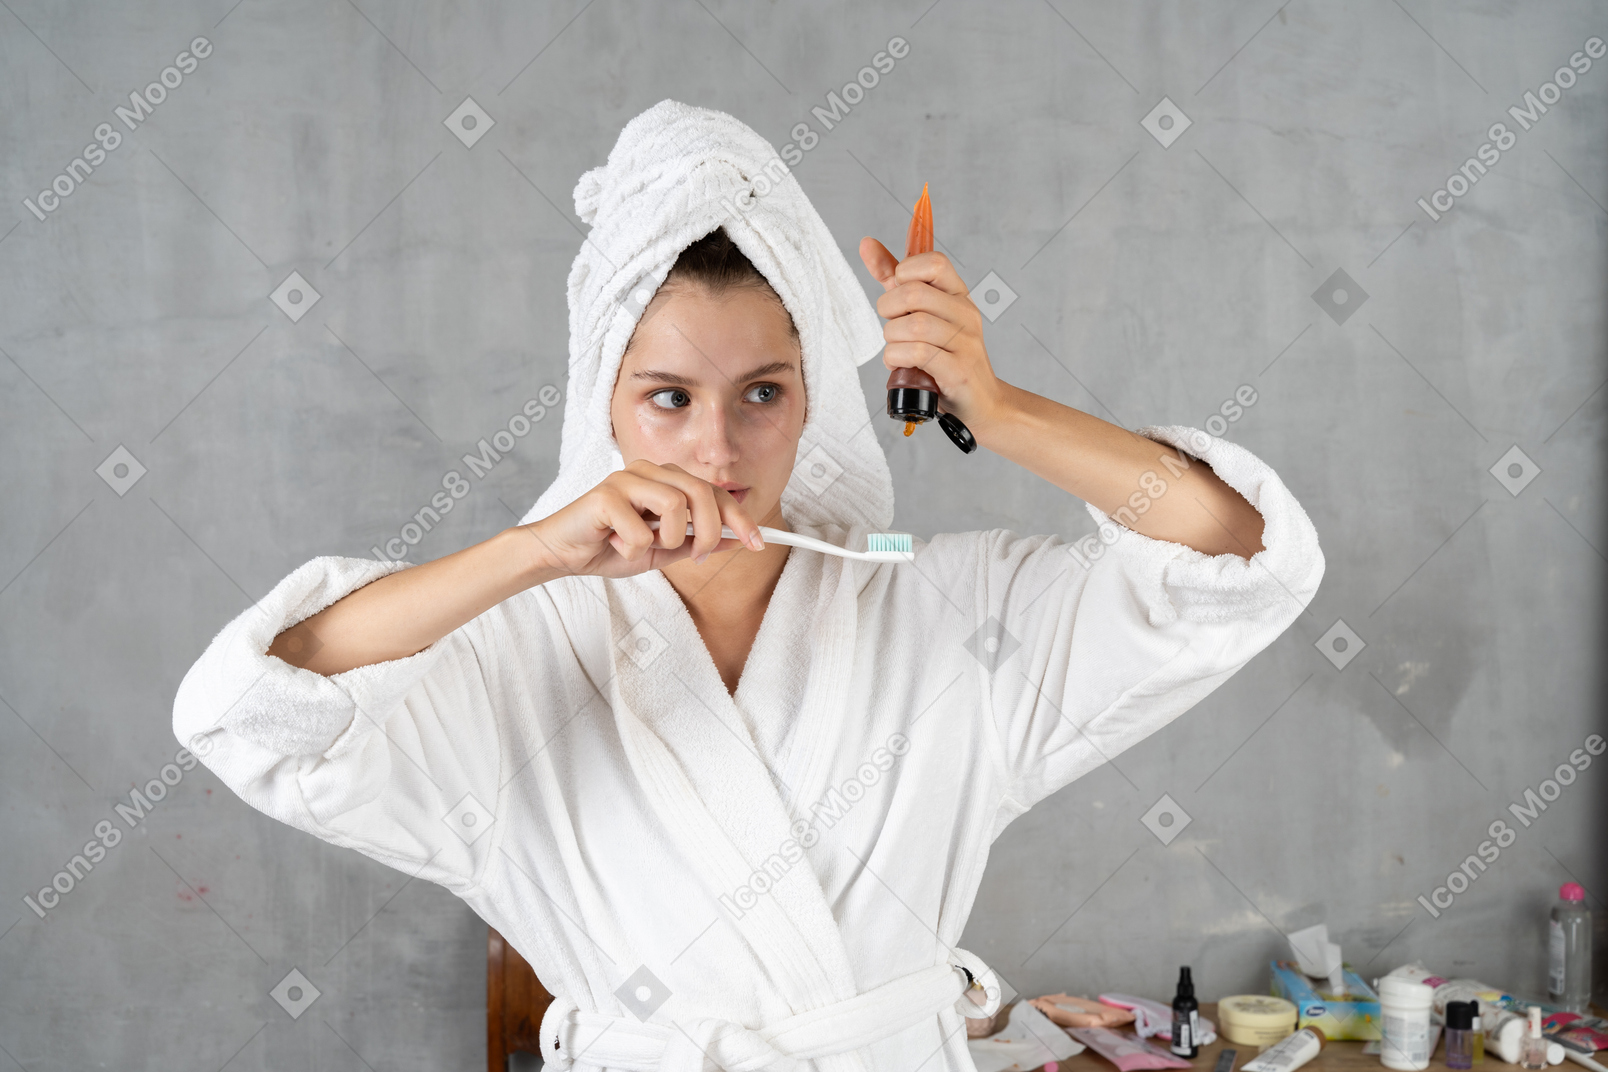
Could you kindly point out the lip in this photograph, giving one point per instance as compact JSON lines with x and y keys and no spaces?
{"x":737,"y":491}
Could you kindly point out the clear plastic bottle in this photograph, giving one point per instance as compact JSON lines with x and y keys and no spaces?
{"x":1459,"y":1035}
{"x":1533,"y":1048}
{"x":1569,"y":950}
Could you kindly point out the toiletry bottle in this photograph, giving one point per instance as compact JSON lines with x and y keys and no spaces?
{"x":913,"y":394}
{"x":1459,"y":1035}
{"x":1404,"y":1010}
{"x":1569,"y":948}
{"x":1533,"y":1048}
{"x":1185,"y":1017}
{"x":1478,"y":1057}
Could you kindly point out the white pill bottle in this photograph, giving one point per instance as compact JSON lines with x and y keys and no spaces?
{"x":1404,"y":1007}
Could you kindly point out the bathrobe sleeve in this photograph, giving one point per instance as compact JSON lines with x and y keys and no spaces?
{"x":1104,"y":643}
{"x":390,"y":759}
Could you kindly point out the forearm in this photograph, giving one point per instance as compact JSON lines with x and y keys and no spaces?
{"x":1105,"y":465}
{"x":405,"y":612}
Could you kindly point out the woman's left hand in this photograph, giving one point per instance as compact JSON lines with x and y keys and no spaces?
{"x":932,"y":324}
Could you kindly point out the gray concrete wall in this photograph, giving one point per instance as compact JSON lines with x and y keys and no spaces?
{"x":1151,"y":282}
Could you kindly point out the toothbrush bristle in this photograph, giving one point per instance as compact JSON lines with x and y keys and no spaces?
{"x":890,"y":541}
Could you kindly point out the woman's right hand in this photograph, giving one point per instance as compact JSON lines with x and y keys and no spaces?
{"x":604,"y":533}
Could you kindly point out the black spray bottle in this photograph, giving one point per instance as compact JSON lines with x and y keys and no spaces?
{"x":1185,"y":1018}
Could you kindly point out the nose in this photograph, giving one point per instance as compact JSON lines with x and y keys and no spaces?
{"x":716,"y":446}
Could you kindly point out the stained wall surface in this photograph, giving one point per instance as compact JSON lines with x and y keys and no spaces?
{"x":1159,"y":205}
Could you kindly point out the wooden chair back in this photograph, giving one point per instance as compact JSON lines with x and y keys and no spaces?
{"x":515,"y":1003}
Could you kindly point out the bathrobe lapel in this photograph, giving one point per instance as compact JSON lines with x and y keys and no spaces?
{"x":691,"y":747}
{"x":799,"y":674}
{"x":803,"y":663}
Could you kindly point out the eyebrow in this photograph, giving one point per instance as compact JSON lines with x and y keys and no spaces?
{"x":663,"y":377}
{"x":686,"y":381}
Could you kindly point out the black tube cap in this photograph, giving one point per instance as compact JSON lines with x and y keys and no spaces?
{"x":912,"y":404}
{"x":957,"y":431}
{"x":916,"y":406}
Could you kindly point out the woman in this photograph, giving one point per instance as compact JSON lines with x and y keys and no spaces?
{"x":732,"y":801}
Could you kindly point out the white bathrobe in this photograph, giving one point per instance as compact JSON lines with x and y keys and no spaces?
{"x":775,"y":879}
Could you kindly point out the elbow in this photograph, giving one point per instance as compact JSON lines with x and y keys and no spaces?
{"x":1252,"y":544}
{"x":299,"y":646}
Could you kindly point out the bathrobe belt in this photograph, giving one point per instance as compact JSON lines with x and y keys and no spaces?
{"x":572,"y":1038}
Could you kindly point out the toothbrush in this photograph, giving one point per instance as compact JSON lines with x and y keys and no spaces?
{"x":880,"y":546}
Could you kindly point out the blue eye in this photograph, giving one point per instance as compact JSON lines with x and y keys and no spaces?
{"x":671,"y":398}
{"x":763,"y":393}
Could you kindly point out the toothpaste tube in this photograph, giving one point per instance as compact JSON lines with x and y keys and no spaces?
{"x":1287,"y":1054}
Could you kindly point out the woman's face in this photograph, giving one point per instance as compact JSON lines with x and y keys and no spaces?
{"x":715,"y":385}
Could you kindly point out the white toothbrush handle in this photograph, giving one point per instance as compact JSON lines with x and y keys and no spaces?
{"x":793,"y":539}
{"x":790,"y":539}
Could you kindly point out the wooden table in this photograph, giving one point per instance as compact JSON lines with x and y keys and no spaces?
{"x":1341,"y":1055}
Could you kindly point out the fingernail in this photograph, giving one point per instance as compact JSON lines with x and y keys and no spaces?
{"x":757,"y":542}
{"x":701,"y":559}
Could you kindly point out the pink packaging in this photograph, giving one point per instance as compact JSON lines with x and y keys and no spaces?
{"x":1126,"y":1052}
